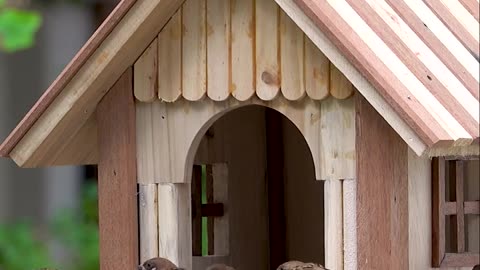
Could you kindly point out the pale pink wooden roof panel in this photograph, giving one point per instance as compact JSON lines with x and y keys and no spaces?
{"x":421,"y":56}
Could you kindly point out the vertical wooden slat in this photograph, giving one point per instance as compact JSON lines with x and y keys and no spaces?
{"x":220,"y":195}
{"x":148,"y":213}
{"x":333,"y":224}
{"x":174,"y":224}
{"x":459,"y":189}
{"x":197,"y":210}
{"x":276,"y":192}
{"x":242,"y":49}
{"x":117,"y":187}
{"x":340,"y":86}
{"x":194,"y":50}
{"x":145,"y":74}
{"x":292,"y":58}
{"x":349,"y":188}
{"x":170,"y":59}
{"x":450,"y":199}
{"x":267,"y":49}
{"x":438,"y":218}
{"x":382,"y":191}
{"x":210,"y":220}
{"x":218,"y":49}
{"x":317,"y":72}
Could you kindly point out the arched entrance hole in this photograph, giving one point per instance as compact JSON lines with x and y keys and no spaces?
{"x":255,"y":200}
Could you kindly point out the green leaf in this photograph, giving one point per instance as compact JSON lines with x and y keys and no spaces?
{"x":17,"y":29}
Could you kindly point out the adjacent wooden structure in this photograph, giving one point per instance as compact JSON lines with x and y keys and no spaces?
{"x":269,"y":96}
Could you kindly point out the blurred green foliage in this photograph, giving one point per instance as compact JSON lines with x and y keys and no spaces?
{"x":79,"y":232}
{"x":76,"y":230}
{"x":17,"y":28}
{"x":19,"y":249}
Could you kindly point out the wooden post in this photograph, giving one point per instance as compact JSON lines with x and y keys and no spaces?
{"x":382,"y":192}
{"x":117,"y":187}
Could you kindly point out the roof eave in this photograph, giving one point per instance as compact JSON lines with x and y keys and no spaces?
{"x":72,"y":99}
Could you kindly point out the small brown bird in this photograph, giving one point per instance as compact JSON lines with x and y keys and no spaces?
{"x":296,"y":265}
{"x":476,"y":267}
{"x":158,"y":264}
{"x":220,"y":267}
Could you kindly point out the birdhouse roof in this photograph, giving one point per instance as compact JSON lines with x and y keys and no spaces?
{"x":415,"y":61}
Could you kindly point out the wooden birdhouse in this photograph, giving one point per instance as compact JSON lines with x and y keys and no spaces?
{"x":252,"y":132}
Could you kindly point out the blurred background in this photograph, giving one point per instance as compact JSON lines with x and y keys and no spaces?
{"x":48,"y":217}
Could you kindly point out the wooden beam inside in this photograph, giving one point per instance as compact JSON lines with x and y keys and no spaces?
{"x":459,"y":190}
{"x":438,"y":218}
{"x":117,"y":184}
{"x":197,"y":208}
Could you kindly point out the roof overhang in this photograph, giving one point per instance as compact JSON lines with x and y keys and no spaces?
{"x":61,"y":121}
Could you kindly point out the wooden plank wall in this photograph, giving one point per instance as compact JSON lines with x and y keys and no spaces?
{"x":382,"y":192}
{"x":223,"y":48}
{"x":117,"y":189}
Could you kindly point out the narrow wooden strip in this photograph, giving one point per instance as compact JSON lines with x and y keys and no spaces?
{"x":267,"y":49}
{"x":378,"y":74}
{"x":66,"y":76}
{"x":340,"y":86}
{"x":148,"y":224}
{"x":472,"y":208}
{"x":243,"y":49}
{"x":451,"y":195}
{"x":461,"y":260}
{"x":454,"y":26}
{"x":438,"y":215}
{"x":459,"y":183}
{"x":473,"y":7}
{"x":174,"y":224}
{"x":194,"y":50}
{"x":145,"y":74}
{"x":419,"y":208}
{"x":117,"y":184}
{"x":382,"y":232}
{"x":220,"y":195}
{"x":317,"y":72}
{"x":292,"y":58}
{"x":464,"y":17}
{"x":276,"y":187}
{"x":197,"y":210}
{"x":333,"y":224}
{"x":453,"y":58}
{"x":428,"y":69}
{"x":211,"y":210}
{"x":349,"y":224}
{"x":170,"y":59}
{"x":218,"y":49}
